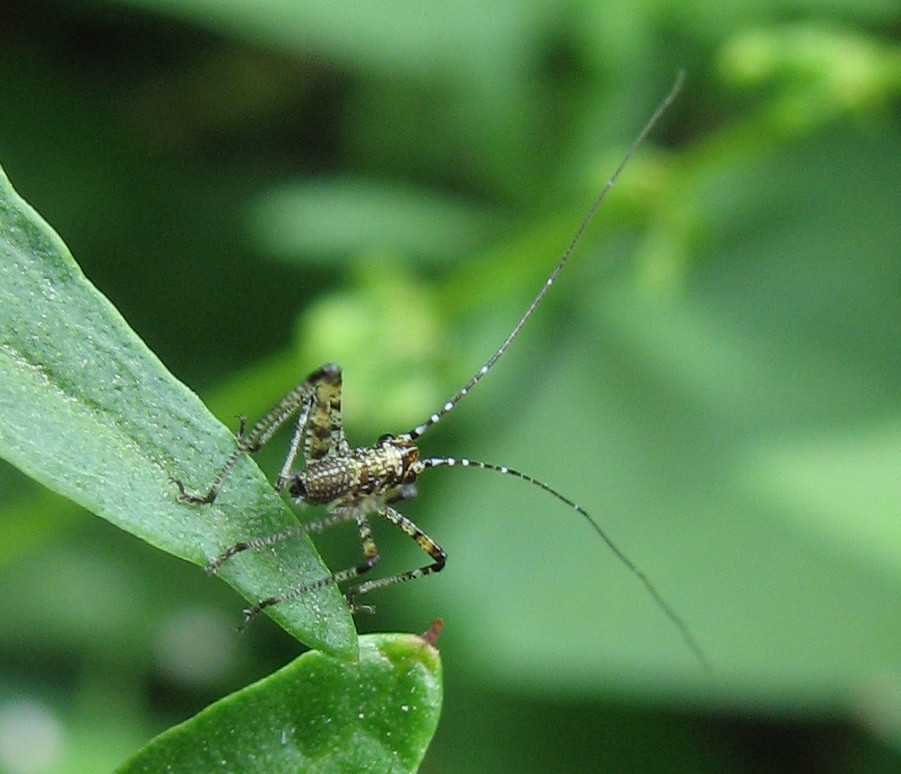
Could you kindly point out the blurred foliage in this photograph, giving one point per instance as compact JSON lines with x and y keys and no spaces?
{"x":260,"y":187}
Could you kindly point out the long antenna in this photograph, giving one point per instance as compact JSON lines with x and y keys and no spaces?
{"x":434,"y":462}
{"x":413,"y":434}
{"x":674,"y":617}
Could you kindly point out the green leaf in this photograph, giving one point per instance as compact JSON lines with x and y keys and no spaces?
{"x":89,"y":411}
{"x":318,"y":714}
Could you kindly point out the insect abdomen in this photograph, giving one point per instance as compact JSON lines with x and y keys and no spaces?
{"x":375,"y":470}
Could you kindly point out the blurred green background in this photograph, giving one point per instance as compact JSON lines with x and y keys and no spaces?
{"x":264,"y":186}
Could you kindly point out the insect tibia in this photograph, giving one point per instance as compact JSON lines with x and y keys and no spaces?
{"x":216,"y":563}
{"x":270,"y":540}
{"x":675,"y":619}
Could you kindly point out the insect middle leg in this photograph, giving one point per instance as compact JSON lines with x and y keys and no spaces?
{"x":429,"y":546}
{"x":370,"y":557}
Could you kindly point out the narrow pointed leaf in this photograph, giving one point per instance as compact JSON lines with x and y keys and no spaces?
{"x":90,"y":412}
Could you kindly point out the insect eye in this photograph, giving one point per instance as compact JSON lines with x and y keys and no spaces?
{"x":385,"y":438}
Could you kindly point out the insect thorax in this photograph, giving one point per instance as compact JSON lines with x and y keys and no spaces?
{"x":385,"y":471}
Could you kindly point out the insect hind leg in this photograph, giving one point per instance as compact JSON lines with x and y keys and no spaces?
{"x":323,"y":386}
{"x":370,"y":559}
{"x":244,"y":446}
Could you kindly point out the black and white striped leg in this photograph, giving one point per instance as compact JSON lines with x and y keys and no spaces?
{"x":370,"y":557}
{"x":301,"y":398}
{"x":426,"y":543}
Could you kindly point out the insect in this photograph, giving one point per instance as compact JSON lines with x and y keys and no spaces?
{"x":355,"y":483}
